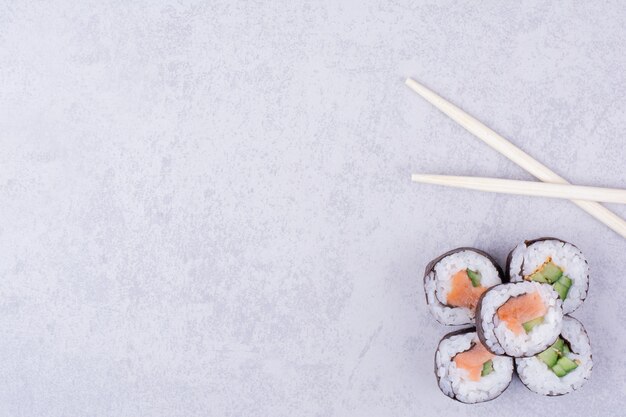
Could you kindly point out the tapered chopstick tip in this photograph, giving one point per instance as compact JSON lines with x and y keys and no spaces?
{"x":410,"y":82}
{"x":421,"y":178}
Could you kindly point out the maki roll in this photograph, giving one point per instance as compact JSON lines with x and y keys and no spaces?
{"x":554,"y":262}
{"x":468,"y":372}
{"x":454,"y":281}
{"x":519,"y":319}
{"x":562,"y":368}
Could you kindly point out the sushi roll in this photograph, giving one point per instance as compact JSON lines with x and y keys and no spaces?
{"x":519,"y":319}
{"x":454,"y":281}
{"x":562,"y":368}
{"x":555,"y":262}
{"x":469,"y":373}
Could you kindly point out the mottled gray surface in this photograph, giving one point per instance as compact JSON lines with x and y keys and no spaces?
{"x":205,"y":209}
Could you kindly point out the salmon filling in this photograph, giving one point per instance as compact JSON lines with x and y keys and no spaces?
{"x":463,"y":293}
{"x":474,"y":360}
{"x":522,"y":310}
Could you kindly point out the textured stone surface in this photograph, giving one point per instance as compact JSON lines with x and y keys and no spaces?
{"x":205,"y":208}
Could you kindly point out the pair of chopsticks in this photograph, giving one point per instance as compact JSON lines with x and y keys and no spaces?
{"x":553,"y":185}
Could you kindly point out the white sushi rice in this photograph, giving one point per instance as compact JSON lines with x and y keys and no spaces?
{"x":536,"y":375}
{"x":454,"y":382}
{"x":438,"y":283}
{"x":501,"y":340}
{"x":527,"y":259}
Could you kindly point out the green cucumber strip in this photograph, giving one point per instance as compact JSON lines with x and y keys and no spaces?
{"x":561,"y":289}
{"x":528,"y":326}
{"x":558,"y":345}
{"x":565,"y":280}
{"x":559,"y":371}
{"x":538,"y":277}
{"x":567,"y":364}
{"x":487,"y":368}
{"x":556,"y":359}
{"x":551,"y":272}
{"x":475,"y":277}
{"x":549,"y":357}
{"x":566,"y":350}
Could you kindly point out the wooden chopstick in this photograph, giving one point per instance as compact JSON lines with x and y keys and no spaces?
{"x":533,"y":188}
{"x":515,"y":154}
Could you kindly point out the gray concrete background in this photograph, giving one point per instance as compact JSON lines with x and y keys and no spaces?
{"x":205,"y":209}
